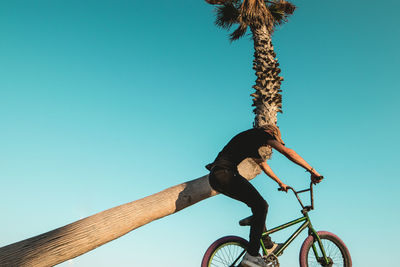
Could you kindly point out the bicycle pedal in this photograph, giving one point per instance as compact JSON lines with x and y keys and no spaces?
{"x":245,"y":221}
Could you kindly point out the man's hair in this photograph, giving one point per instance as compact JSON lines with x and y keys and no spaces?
{"x":274,"y":131}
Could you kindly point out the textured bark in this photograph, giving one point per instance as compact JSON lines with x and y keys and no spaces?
{"x":267,"y":98}
{"x":77,"y":238}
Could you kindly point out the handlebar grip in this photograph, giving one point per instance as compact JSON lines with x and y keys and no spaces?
{"x":316,"y":179}
{"x":287,"y":189}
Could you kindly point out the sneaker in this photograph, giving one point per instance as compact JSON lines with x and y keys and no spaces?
{"x":275,"y":247}
{"x":253,"y":261}
{"x":268,"y":243}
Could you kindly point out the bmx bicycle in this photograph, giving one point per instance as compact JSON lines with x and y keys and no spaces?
{"x":319,"y":248}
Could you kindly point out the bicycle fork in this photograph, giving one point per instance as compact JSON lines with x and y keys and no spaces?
{"x":324,"y":261}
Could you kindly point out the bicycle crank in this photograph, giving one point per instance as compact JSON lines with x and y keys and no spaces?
{"x":271,"y":260}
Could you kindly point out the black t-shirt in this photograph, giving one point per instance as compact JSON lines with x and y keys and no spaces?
{"x":244,"y":145}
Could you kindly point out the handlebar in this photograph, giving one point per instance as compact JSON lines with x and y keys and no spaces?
{"x":302,"y":191}
{"x":288,"y":187}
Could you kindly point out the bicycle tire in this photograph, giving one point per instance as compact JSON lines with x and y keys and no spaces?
{"x":217,"y":254}
{"x":328,"y":238}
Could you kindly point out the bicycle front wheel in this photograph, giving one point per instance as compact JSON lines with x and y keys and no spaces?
{"x":227,"y":251}
{"x":335,"y":250}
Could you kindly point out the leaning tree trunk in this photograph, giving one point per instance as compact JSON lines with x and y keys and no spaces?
{"x":267,"y":98}
{"x":77,"y":238}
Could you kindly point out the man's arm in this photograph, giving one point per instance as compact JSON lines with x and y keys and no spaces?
{"x":294,"y":157}
{"x":268,"y":171}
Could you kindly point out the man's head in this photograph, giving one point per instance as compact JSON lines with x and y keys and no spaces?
{"x":274,"y":131}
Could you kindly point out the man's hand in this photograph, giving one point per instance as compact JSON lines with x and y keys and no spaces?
{"x":316,"y":178}
{"x":284,"y":187}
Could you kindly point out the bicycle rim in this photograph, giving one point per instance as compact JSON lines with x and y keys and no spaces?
{"x":228,"y":254}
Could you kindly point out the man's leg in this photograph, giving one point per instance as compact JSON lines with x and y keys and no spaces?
{"x":230,"y":183}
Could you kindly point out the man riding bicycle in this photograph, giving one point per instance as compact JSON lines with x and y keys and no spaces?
{"x":225,"y":178}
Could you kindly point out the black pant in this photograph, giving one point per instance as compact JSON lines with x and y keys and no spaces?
{"x":230,"y":183}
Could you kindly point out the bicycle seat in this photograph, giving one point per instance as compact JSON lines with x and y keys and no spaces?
{"x":245,"y":221}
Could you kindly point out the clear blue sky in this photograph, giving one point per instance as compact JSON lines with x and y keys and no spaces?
{"x":105,"y":102}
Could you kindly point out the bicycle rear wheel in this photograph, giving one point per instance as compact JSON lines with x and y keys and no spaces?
{"x":334,"y":247}
{"x":227,"y":251}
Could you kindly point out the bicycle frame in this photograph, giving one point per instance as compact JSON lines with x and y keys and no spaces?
{"x":306,"y":224}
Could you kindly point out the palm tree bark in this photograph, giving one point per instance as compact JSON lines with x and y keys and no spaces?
{"x":77,"y":238}
{"x":267,"y":98}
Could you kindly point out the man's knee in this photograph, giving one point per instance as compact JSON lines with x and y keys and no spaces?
{"x":261,"y":206}
{"x":265,"y":205}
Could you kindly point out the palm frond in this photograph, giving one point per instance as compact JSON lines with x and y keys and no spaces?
{"x":217,"y":2}
{"x":281,"y":10}
{"x":239,"y":32}
{"x":255,"y":13}
{"x":226,"y":15}
{"x":250,"y":13}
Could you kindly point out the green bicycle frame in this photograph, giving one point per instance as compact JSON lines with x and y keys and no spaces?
{"x":307,"y":223}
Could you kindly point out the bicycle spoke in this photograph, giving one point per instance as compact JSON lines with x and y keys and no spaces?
{"x":230,"y":255}
{"x":221,"y":256}
{"x":332,"y":251}
{"x":226,"y":255}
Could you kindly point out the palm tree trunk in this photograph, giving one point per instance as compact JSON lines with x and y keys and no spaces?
{"x":77,"y":238}
{"x":267,"y":98}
